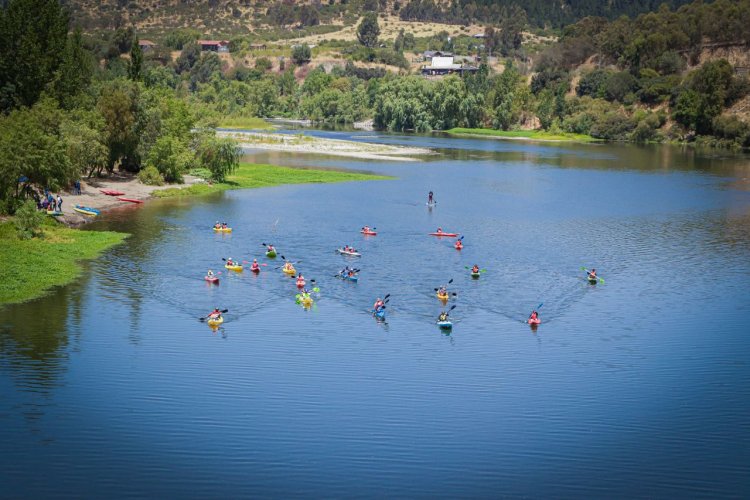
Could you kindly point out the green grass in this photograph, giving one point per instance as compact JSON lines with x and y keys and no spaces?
{"x":253,"y":175}
{"x":31,"y":267}
{"x":538,"y":135}
{"x":245,"y":122}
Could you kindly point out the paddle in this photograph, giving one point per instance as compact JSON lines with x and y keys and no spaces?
{"x":206,"y":317}
{"x":601,"y":280}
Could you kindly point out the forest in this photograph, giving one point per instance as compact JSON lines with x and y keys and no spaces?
{"x":74,"y":105}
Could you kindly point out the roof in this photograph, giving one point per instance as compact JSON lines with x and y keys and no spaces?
{"x":433,"y":53}
{"x":213,"y":42}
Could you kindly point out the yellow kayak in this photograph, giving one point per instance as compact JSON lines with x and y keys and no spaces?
{"x":290,"y":271}
{"x":442,"y":297}
{"x":234,"y":268}
{"x":306,"y":301}
{"x":223,"y":229}
{"x":215,"y":322}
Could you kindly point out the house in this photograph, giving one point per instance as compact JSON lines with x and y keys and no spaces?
{"x":427,"y":55}
{"x":442,"y":65}
{"x":146,"y":45}
{"x":479,"y":35}
{"x":214,"y":45}
{"x":257,"y":46}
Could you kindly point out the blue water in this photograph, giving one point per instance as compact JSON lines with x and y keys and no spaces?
{"x":637,"y":387}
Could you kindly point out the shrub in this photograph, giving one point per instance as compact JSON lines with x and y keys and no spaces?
{"x":150,"y":176}
{"x":301,"y":54}
{"x":29,"y":220}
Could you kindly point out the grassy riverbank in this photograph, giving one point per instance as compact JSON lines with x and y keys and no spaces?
{"x":532,"y":135}
{"x":245,"y":123}
{"x":254,"y":175}
{"x":32,"y":267}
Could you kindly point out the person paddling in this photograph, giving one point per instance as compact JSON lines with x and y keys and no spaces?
{"x":534,"y":318}
{"x":301,"y":281}
{"x":217,"y":225}
{"x":210,"y":273}
{"x":255,"y":266}
{"x":231,"y":262}
{"x":443,"y":316}
{"x":592,"y":275}
{"x":430,"y":198}
{"x":458,"y":245}
{"x":475,"y":269}
{"x":439,"y":230}
{"x":378,"y":305}
{"x":215,"y":314}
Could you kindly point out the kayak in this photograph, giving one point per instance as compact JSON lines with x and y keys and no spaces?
{"x":54,"y":214}
{"x":86,"y":210}
{"x":237,"y":267}
{"x":111,"y":192}
{"x":212,"y":279}
{"x":354,"y":278}
{"x":223,"y":229}
{"x":458,"y":246}
{"x":445,"y":325}
{"x":475,"y":275}
{"x":369,"y":233}
{"x":290,"y":271}
{"x":534,"y":321}
{"x":271,"y":254}
{"x":255,"y":269}
{"x":131,"y":200}
{"x":443,"y":297}
{"x":348,"y":252}
{"x":592,"y":281}
{"x":215,"y":322}
{"x":379,"y":314}
{"x":431,"y":204}
{"x":450,"y":235}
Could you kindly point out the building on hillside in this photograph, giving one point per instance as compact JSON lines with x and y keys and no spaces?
{"x":257,"y":46}
{"x":427,"y":55}
{"x":440,"y":66}
{"x":146,"y":45}
{"x":479,"y":35}
{"x":214,"y":45}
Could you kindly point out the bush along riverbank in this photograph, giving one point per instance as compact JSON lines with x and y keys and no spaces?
{"x":531,"y":135}
{"x":254,"y":175}
{"x":31,"y":267}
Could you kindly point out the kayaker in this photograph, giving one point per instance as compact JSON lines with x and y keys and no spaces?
{"x":255,"y":266}
{"x":592,"y":274}
{"x":224,"y":225}
{"x":351,"y":273}
{"x":217,"y":225}
{"x":534,"y":317}
{"x":475,"y":269}
{"x":300,"y":280}
{"x":439,"y":230}
{"x":230,"y":262}
{"x":378,"y":305}
{"x":442,"y":290}
{"x":443,"y":316}
{"x":366,"y":229}
{"x":210,"y":273}
{"x":270,"y":248}
{"x":429,"y":197}
{"x":215,"y":314}
{"x":458,"y":245}
{"x":288,"y":265}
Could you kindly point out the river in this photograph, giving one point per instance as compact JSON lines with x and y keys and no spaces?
{"x":635,"y":387}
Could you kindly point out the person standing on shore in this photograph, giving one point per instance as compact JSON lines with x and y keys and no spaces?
{"x":59,"y":202}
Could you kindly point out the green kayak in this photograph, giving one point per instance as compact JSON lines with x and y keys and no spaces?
{"x":271,"y":254}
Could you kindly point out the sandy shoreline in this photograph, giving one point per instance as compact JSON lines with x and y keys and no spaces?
{"x":336,"y":147}
{"x":92,"y":196}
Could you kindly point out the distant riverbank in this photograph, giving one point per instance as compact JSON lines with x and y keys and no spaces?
{"x":531,"y":135}
{"x":298,"y":143}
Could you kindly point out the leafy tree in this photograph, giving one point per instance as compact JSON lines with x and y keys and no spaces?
{"x":73,"y":76}
{"x":178,"y":38}
{"x":309,"y":15}
{"x":118,"y":105}
{"x":208,"y":66}
{"x":220,"y":156}
{"x":301,"y":54}
{"x":368,"y":30}
{"x":136,"y":61}
{"x":33,"y":35}
{"x":171,"y":157}
{"x":190,"y":55}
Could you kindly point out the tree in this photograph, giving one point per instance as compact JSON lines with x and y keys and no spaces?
{"x":33,"y":35}
{"x":368,"y":30}
{"x":118,"y":105}
{"x":29,"y":221}
{"x":190,"y":54}
{"x":301,"y":54}
{"x":73,"y":76}
{"x":136,"y":60}
{"x":220,"y":156}
{"x":171,"y":157}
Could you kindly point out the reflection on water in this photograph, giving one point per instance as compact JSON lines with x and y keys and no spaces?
{"x":634,"y":387}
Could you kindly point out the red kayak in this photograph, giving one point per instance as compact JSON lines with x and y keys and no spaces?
{"x":112,"y":192}
{"x":369,"y":233}
{"x":534,"y":321}
{"x":450,"y":235}
{"x":458,"y":245}
{"x":131,"y":200}
{"x":212,"y":279}
{"x":255,"y":269}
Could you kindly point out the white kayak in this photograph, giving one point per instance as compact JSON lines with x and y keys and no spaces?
{"x":348,"y":252}
{"x":445,"y":325}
